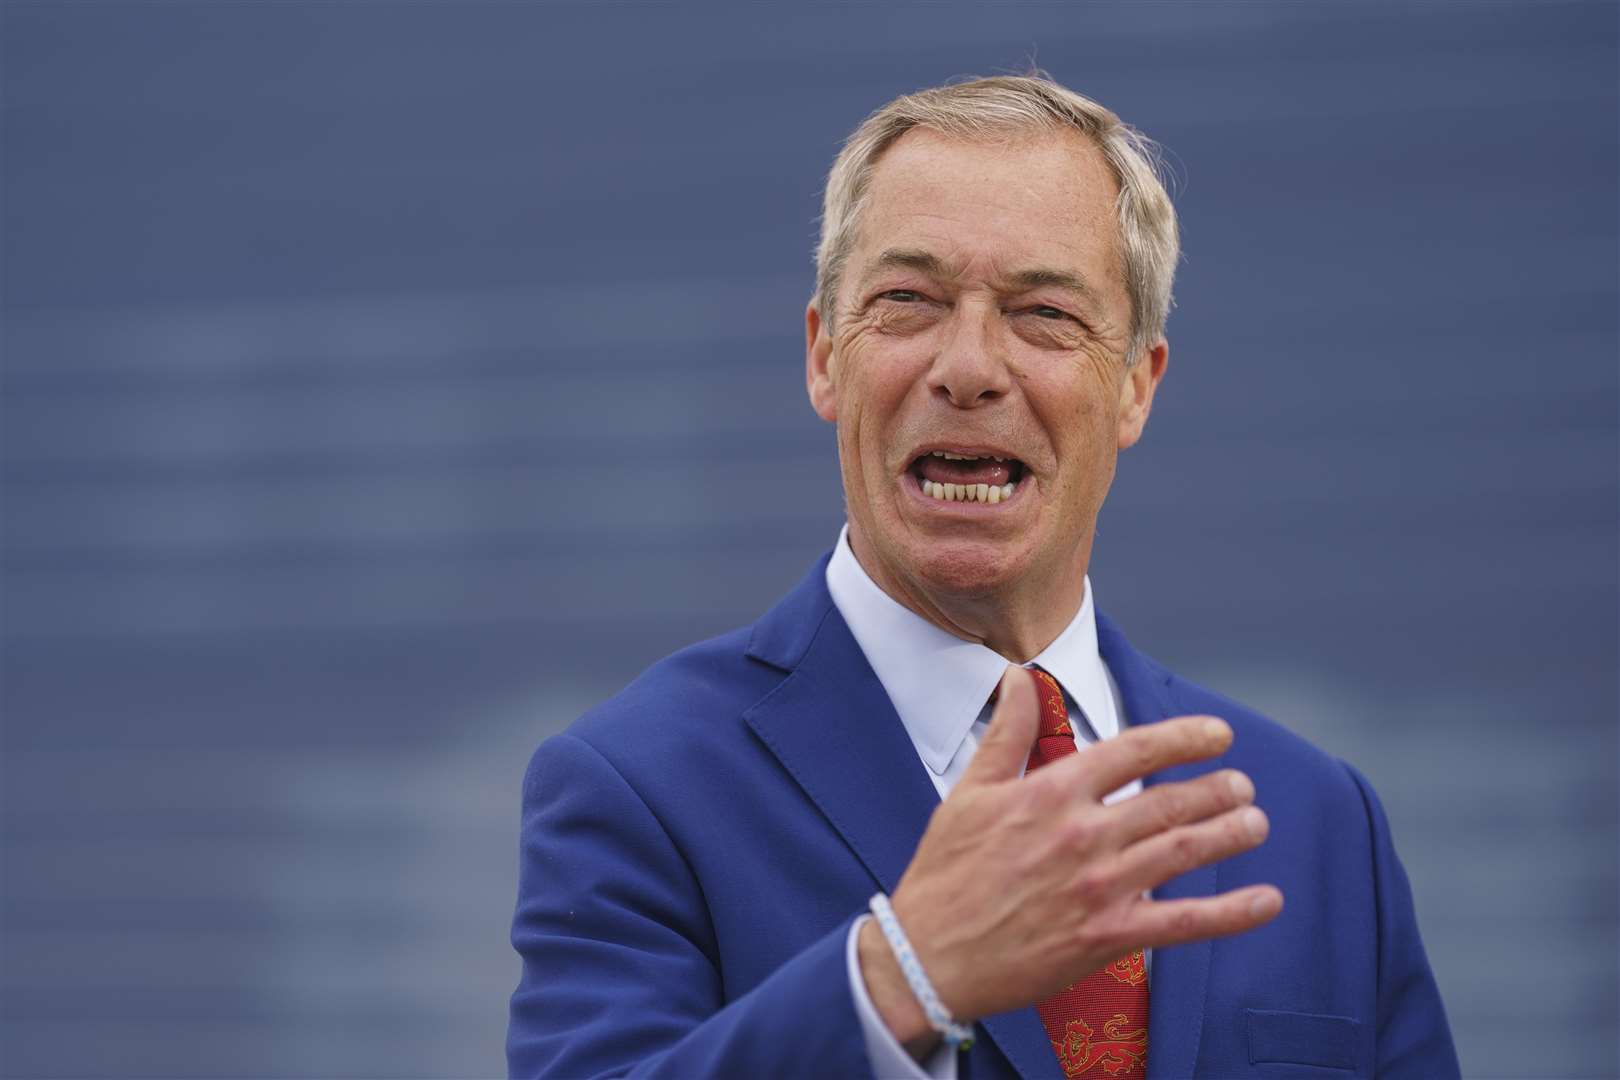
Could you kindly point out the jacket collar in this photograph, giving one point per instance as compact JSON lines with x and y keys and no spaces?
{"x":836,"y":732}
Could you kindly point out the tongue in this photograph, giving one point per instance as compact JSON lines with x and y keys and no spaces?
{"x":983,"y":471}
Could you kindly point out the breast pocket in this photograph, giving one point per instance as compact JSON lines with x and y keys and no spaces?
{"x":1293,"y":1038}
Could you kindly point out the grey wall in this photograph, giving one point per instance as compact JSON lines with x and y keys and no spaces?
{"x":384,"y":383}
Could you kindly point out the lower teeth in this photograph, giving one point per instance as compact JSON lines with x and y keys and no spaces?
{"x":987,"y":493}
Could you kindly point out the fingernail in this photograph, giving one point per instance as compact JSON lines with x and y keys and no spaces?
{"x":1254,"y":820}
{"x":1242,"y":787}
{"x":1216,"y":729}
{"x":1264,"y":904}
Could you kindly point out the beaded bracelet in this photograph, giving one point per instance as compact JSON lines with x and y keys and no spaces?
{"x":958,"y":1036}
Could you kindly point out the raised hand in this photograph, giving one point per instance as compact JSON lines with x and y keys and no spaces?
{"x":1022,"y":885}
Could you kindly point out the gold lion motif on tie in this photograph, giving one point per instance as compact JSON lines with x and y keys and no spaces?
{"x":1130,"y":970}
{"x":1116,"y":1051}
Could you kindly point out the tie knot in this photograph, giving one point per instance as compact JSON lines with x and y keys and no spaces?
{"x":1054,"y":713}
{"x":1054,"y":710}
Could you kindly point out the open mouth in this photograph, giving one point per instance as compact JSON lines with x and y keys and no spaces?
{"x":950,"y":476}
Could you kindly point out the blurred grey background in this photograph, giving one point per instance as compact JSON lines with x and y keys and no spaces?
{"x":384,"y":383}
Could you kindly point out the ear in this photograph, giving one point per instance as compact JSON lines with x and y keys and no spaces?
{"x":1137,"y":389}
{"x":818,"y":364}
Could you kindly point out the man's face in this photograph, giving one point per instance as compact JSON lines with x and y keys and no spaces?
{"x":982,"y":314}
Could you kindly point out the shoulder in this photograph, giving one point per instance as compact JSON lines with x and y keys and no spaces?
{"x":687,"y":709}
{"x":691,"y":686}
{"x":1348,"y":918}
{"x":1277,"y":758}
{"x":1270,"y":737}
{"x":1328,"y":831}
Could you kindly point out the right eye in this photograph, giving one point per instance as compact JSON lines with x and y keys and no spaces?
{"x":900,"y":296}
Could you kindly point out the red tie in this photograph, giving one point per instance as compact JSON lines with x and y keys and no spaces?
{"x":1099,"y":1025}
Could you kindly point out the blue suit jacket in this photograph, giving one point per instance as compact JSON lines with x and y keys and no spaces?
{"x":695,"y":849}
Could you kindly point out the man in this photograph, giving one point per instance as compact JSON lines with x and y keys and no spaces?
{"x":699,"y":853}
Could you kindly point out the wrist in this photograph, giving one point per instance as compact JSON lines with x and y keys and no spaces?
{"x":886,"y":985}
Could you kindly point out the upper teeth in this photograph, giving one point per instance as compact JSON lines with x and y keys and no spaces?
{"x":948,"y":456}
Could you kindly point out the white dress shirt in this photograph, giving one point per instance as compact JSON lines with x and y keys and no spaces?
{"x":941,"y":685}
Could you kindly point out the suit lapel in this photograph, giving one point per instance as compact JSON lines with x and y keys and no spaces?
{"x":834,"y":729}
{"x":1180,"y":973}
{"x":831,"y":725}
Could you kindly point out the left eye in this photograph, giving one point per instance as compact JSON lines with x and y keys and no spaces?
{"x":1046,"y":312}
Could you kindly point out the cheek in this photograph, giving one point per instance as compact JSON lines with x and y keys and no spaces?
{"x":1084,"y":436}
{"x":872,"y":397}
{"x":860,"y":448}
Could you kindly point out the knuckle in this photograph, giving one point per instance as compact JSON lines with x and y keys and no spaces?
{"x":1237,"y":831}
{"x":1092,"y":888}
{"x":1076,"y":834}
{"x":1184,"y":922}
{"x":1094,"y":935}
{"x":1185,"y":851}
{"x":1189,"y":744}
{"x":1231,"y":915}
{"x":1042,"y":798}
{"x":1172,"y":809}
{"x":1210,"y":802}
{"x":1140,"y":755}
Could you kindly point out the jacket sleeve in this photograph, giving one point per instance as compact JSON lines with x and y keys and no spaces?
{"x":620,"y":972}
{"x":1413,"y":1037}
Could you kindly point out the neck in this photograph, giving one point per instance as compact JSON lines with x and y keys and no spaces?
{"x":1017,"y":623}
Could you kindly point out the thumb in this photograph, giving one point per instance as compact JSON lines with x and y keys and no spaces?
{"x":1013,"y":727}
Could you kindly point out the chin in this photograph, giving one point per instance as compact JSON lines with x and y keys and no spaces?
{"x":968,"y":569}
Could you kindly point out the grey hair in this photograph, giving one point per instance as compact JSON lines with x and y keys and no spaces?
{"x":994,"y":108}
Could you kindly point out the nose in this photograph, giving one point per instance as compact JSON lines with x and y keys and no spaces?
{"x":970,"y":368}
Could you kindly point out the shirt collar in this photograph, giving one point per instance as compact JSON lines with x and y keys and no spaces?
{"x":938,"y":682}
{"x":1073,"y":660}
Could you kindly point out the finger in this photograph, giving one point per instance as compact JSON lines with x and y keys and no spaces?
{"x":1111,"y":764}
{"x":1013,"y":726}
{"x":1162,"y":807}
{"x":1156,"y":924}
{"x":1162,"y":856}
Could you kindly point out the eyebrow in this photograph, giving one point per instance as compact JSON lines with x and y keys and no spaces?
{"x":1023,"y":280}
{"x":910,"y":259}
{"x":1060,"y":279}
